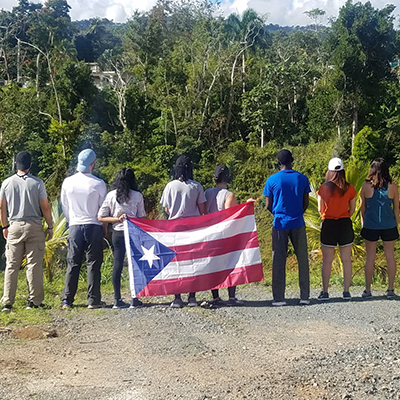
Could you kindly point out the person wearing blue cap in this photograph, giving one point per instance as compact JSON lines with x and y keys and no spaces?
{"x":82,"y":195}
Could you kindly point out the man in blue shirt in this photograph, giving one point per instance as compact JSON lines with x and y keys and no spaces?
{"x":287,"y":198}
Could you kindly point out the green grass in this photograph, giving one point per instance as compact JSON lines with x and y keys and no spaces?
{"x":53,"y":290}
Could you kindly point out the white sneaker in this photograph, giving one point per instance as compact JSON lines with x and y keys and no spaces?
{"x":304,"y":302}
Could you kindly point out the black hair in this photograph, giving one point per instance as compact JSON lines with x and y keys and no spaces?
{"x":285,"y":158}
{"x":123,"y":183}
{"x":222,"y":174}
{"x":183,"y":168}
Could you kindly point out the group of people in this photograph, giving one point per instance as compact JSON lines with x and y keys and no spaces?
{"x":89,"y":209}
{"x":287,"y":197}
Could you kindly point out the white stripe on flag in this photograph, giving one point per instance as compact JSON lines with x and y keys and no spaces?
{"x":202,"y":266}
{"x":221,"y":230}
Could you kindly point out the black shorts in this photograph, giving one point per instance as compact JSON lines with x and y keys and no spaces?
{"x":373,"y":235}
{"x":337,"y":232}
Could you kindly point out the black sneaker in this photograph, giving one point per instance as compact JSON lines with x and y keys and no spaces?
{"x":120,"y":304}
{"x":192,"y":302}
{"x":390,"y":294}
{"x":277,"y":303}
{"x":136,"y":303}
{"x":177,"y":303}
{"x":366,"y":294}
{"x":323,"y":296}
{"x":96,"y":306}
{"x":233,"y":301}
{"x":217,"y":302}
{"x":346,"y":296}
{"x":6,"y":308}
{"x":30,"y":305}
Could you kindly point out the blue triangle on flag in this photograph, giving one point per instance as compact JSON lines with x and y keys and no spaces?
{"x":149,"y":256}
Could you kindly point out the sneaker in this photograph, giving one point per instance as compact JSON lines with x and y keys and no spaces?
{"x":136,"y":303}
{"x":177,"y":303}
{"x":217,"y":302}
{"x":279,"y":303}
{"x":233,"y":301}
{"x":366,"y":294}
{"x":31,"y":305}
{"x":323,"y":296}
{"x":390,"y":294}
{"x":120,"y":304}
{"x":346,"y":296}
{"x":66,"y":305}
{"x":192,"y":302}
{"x":96,"y":306}
{"x":6,"y":308}
{"x":304,"y":302}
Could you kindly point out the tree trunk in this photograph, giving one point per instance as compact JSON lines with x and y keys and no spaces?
{"x":262,"y":137}
{"x":243,"y":73}
{"x":18,"y":58}
{"x":37,"y":74}
{"x":6,"y":64}
{"x":354,"y":130}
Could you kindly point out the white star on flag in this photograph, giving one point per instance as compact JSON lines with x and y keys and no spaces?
{"x":149,"y":256}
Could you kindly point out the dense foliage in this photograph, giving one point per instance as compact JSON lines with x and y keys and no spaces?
{"x":181,"y":78}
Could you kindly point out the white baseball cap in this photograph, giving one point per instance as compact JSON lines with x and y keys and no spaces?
{"x":335,"y":164}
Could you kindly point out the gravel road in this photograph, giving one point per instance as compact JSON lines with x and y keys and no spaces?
{"x":335,"y":350}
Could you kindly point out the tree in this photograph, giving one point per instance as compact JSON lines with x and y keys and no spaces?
{"x":316,"y":15}
{"x":362,"y":43}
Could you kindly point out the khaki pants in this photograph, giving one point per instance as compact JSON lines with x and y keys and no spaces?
{"x":24,"y":239}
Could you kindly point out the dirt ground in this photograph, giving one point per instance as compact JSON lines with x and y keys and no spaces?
{"x":250,"y":352}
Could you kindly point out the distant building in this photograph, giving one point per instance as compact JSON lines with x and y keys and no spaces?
{"x":102,"y":78}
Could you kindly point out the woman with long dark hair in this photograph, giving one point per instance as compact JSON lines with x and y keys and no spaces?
{"x":124,"y":201}
{"x":379,"y":218}
{"x":336,"y":204}
{"x":220,"y":198}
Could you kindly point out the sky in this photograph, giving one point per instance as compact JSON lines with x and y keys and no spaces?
{"x":282,"y":12}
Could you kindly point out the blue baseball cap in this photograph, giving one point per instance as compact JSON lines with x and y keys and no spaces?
{"x":85,"y":159}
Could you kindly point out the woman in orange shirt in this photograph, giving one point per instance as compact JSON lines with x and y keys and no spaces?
{"x":336,"y":204}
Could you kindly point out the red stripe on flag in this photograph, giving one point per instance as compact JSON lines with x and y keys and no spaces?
{"x":226,"y":278}
{"x":192,"y":223}
{"x":218,"y":247}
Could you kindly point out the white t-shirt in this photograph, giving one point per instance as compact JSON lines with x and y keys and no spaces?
{"x":81,"y":197}
{"x":134,"y":208}
{"x":216,"y":198}
{"x":182,"y":198}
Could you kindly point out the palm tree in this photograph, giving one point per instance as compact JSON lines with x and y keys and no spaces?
{"x":55,"y":247}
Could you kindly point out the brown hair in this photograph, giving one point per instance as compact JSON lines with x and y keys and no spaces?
{"x":336,"y":180}
{"x":378,"y":174}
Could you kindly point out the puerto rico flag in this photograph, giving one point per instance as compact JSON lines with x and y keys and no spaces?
{"x":193,"y":254}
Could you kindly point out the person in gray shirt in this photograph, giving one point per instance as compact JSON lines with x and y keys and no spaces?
{"x":182,"y":198}
{"x":23,"y":197}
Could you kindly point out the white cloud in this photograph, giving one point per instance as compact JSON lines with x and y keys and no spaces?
{"x":282,"y":12}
